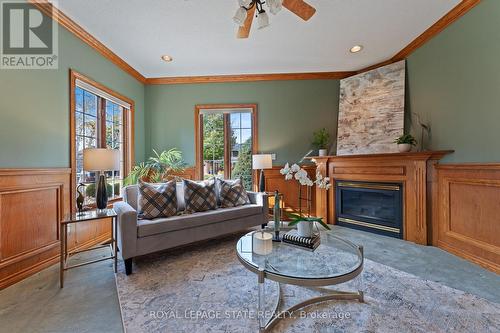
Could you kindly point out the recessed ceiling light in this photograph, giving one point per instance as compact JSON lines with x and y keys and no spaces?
{"x":166,"y":58}
{"x":356,"y":48}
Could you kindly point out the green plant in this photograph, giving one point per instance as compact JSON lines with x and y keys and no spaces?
{"x":297,"y":218}
{"x":321,"y":139}
{"x":406,"y":139}
{"x":158,"y":167}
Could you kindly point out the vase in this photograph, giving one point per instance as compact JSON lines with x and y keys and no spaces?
{"x":305,"y":229}
{"x":322,"y":152}
{"x":404,"y":147}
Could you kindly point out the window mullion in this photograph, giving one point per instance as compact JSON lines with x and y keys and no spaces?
{"x":227,"y":146}
{"x":102,"y":123}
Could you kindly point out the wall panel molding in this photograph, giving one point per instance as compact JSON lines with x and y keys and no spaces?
{"x":32,"y":203}
{"x":468,"y":223}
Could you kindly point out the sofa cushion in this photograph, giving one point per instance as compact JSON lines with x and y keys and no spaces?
{"x":162,"y":225}
{"x":157,"y":201}
{"x":199,"y":196}
{"x":232,"y":193}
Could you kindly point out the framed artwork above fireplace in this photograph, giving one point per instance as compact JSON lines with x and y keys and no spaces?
{"x":371,"y":111}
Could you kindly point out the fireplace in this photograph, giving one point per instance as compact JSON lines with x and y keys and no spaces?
{"x":369,"y":206}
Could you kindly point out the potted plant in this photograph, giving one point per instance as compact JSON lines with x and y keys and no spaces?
{"x":158,"y":168}
{"x":405,"y":143}
{"x":305,"y":225}
{"x":321,"y":141}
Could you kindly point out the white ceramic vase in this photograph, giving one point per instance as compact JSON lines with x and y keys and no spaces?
{"x":322,"y":152}
{"x":404,"y":147}
{"x":305,"y":229}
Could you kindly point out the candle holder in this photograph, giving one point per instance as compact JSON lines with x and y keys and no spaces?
{"x":277,"y":216}
{"x":262,"y":243}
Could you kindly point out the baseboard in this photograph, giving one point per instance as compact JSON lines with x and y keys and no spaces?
{"x":489,"y":265}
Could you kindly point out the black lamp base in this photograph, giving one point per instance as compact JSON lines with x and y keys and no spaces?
{"x":101,"y":197}
{"x":262,"y":181}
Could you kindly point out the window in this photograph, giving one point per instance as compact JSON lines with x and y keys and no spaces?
{"x":100,"y":118}
{"x":226,"y":140}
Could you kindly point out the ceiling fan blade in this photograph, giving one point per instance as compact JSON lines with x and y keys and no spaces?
{"x":244,"y":31}
{"x":300,"y":8}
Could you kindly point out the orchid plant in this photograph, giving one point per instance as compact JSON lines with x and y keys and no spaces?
{"x":301,"y":175}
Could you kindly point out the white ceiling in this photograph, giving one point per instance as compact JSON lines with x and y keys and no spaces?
{"x":201,"y":36}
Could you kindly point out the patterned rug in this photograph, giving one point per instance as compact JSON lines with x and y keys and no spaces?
{"x":204,"y":288}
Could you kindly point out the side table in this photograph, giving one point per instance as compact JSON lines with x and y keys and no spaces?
{"x":86,"y":216}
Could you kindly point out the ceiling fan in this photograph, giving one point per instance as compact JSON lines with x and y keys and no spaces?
{"x":245,"y":14}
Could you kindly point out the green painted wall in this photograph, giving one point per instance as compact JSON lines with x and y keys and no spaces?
{"x":34,"y":106}
{"x":288,"y":113}
{"x":454,"y":83}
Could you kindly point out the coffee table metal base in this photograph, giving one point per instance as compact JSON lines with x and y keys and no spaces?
{"x":265,"y":326}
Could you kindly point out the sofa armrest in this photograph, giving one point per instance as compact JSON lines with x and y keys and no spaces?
{"x":259,"y":198}
{"x":127,"y":229}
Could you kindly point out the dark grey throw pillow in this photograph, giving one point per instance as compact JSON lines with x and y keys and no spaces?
{"x":232,"y":193}
{"x":199,"y":196}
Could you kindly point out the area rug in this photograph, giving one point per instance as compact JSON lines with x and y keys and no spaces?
{"x":204,"y":288}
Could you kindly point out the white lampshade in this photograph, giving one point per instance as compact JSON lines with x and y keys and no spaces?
{"x":274,"y":6}
{"x":101,"y":159}
{"x":263,"y":20}
{"x":262,"y":161}
{"x":240,"y":16}
{"x":245,"y":3}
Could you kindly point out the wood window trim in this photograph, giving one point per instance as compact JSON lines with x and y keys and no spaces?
{"x":128,"y":127}
{"x":199,"y":137}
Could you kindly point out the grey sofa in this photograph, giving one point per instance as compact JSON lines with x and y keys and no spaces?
{"x":138,"y":237}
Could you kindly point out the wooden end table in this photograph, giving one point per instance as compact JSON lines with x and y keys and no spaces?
{"x":86,"y":216}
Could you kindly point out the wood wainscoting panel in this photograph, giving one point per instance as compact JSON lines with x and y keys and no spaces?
{"x":28,"y":221}
{"x":468,"y":221}
{"x":290,"y":189}
{"x":32,"y":202}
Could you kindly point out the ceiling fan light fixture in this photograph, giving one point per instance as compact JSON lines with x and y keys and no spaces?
{"x":263,"y":20}
{"x":244,"y":3}
{"x":356,"y":48}
{"x":240,"y":16}
{"x":274,"y":6}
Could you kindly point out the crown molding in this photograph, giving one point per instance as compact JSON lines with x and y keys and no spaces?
{"x":46,"y":7}
{"x":52,"y":11}
{"x":249,"y":78}
{"x":457,"y":12}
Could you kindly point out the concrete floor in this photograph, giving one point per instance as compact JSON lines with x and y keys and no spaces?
{"x":89,"y":301}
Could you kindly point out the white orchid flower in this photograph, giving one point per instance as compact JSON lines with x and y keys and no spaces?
{"x":295,"y":168}
{"x":285,"y":170}
{"x":288,"y":176}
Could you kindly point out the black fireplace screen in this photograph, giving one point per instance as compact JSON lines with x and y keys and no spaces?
{"x":374,"y":207}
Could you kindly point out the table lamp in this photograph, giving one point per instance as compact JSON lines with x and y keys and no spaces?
{"x":261,"y":162}
{"x":101,"y":160}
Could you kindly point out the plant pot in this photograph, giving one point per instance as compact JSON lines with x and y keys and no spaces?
{"x":404,"y":147}
{"x":305,"y":229}
{"x":322,"y":152}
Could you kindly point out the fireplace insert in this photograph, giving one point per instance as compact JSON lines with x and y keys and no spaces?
{"x":368,"y":206}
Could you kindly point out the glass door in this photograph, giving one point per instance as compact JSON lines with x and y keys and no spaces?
{"x":226,"y":143}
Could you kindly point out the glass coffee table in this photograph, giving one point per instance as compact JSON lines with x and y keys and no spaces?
{"x":335,"y":261}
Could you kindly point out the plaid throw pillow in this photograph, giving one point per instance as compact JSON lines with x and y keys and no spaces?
{"x":232,"y":193}
{"x":157,"y":201}
{"x":199,"y":196}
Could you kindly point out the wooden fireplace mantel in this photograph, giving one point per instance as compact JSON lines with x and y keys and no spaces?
{"x":414,"y":170}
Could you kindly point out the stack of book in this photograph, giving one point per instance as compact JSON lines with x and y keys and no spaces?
{"x":309,"y":243}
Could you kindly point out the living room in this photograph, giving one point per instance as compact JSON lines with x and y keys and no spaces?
{"x":273,"y":166}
